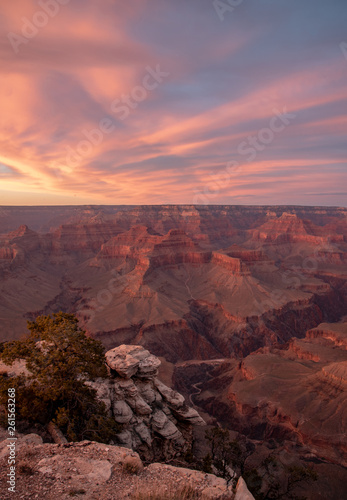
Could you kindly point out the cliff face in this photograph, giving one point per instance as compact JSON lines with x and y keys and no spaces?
{"x":295,"y":393}
{"x":213,"y":281}
{"x":216,"y":218}
{"x":288,"y":400}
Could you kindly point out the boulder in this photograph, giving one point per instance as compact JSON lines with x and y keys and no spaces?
{"x":125,"y":439}
{"x":242,"y":492}
{"x":148,"y":367}
{"x":86,"y":470}
{"x":167,"y":429}
{"x":158,"y":420}
{"x":129,"y":360}
{"x":127,"y":387}
{"x":122,"y":412}
{"x":147,"y":392}
{"x":139,"y":406}
{"x":189,"y":414}
{"x":120,"y":360}
{"x":173,"y":398}
{"x":144,"y":433}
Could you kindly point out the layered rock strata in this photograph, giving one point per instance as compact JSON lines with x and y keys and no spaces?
{"x":155,"y":419}
{"x":117,"y":267}
{"x":296,"y":392}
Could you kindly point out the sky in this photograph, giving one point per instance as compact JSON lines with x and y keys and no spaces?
{"x":180,"y":101}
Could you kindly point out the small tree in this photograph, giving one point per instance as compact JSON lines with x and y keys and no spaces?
{"x":296,"y":476}
{"x":207,"y":464}
{"x":273,"y":480}
{"x":226,"y":453}
{"x":60,"y":358}
{"x":222,"y":451}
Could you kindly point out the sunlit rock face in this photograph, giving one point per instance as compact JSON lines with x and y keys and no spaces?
{"x":132,"y":360}
{"x":295,"y":392}
{"x":186,"y":282}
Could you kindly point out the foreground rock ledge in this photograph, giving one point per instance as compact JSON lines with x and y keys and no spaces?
{"x":103,"y":471}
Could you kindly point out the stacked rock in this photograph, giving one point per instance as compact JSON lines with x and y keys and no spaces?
{"x":145,"y":407}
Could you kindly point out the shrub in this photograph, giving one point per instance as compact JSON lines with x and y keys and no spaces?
{"x":25,"y":468}
{"x":132,"y":465}
{"x":60,"y":358}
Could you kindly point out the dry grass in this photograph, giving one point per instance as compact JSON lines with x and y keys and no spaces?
{"x":30,"y":452}
{"x":25,"y":468}
{"x":146,"y":491}
{"x":175,"y":492}
{"x":132,"y":465}
{"x":75,"y":492}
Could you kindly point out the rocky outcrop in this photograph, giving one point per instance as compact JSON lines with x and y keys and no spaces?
{"x":153,"y":418}
{"x":336,"y":374}
{"x":130,"y":360}
{"x":144,"y":407}
{"x":242,"y":492}
{"x":94,"y":470}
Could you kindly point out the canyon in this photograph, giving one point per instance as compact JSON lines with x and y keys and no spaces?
{"x":245,"y":306}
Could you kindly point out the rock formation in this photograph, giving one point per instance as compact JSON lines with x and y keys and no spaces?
{"x":155,"y":419}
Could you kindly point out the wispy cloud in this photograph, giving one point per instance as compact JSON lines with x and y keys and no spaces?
{"x":225,"y":80}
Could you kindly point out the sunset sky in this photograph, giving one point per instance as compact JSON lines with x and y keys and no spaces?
{"x":180,"y":101}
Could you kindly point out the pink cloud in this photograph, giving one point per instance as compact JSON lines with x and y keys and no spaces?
{"x":62,"y":83}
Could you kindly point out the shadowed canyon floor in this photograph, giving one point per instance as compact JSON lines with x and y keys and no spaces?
{"x":246,"y":307}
